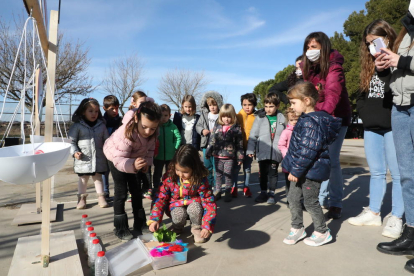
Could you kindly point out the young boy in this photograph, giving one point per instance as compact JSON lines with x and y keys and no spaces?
{"x":169,"y":141}
{"x":246,"y":118}
{"x":113,"y":121}
{"x":264,"y":137}
{"x":210,"y":105}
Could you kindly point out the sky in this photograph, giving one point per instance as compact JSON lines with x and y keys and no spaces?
{"x":236,"y":43}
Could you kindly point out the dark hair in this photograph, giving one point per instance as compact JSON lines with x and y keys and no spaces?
{"x":110,"y":100}
{"x":323,"y":61}
{"x":251,"y":97}
{"x":377,"y":27}
{"x":165,"y":107}
{"x":191,"y":100}
{"x":272,"y":98}
{"x":84,"y":104}
{"x":304,"y":90}
{"x":188,"y":157}
{"x":299,"y":58}
{"x":149,"y":110}
{"x":137,"y":94}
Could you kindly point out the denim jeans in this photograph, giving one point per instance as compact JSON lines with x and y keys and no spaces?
{"x":105,"y":179}
{"x":402,"y":121}
{"x":380,"y":153}
{"x":247,"y":167}
{"x":209,"y":164}
{"x":335,"y":185}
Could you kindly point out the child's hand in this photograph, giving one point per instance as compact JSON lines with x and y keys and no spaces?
{"x":205,"y":132}
{"x":78,"y":155}
{"x":204,"y":233}
{"x":139,"y":163}
{"x":154,"y":226}
{"x":250,"y":155}
{"x":144,"y":169}
{"x":292,"y":178}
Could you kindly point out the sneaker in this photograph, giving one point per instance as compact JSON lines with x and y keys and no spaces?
{"x":393,"y":228}
{"x":247,"y":192}
{"x":295,"y":235}
{"x":271,"y":200}
{"x":318,"y":239}
{"x":334,"y":212}
{"x":227,"y":195}
{"x":217,"y":195}
{"x":129,"y":199}
{"x":234,"y":192}
{"x":148,"y":194}
{"x":262,"y":197}
{"x":367,"y":217}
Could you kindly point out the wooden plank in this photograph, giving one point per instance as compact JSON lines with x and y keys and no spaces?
{"x":33,"y":6}
{"x":64,"y":256}
{"x":37,"y":132}
{"x":27,"y":214}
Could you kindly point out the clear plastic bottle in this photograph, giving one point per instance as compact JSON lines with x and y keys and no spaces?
{"x":83,"y":221}
{"x":95,"y":248}
{"x":88,"y":242}
{"x":101,"y":264}
{"x":87,"y":232}
{"x":87,"y":224}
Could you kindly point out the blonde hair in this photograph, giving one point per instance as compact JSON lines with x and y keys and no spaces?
{"x":138,"y":94}
{"x":191,"y":100}
{"x":211,"y":101}
{"x":304,"y":90}
{"x":227,"y":110}
{"x":290,"y":113}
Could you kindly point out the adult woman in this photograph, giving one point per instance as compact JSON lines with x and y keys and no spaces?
{"x":322,"y":66}
{"x":374,"y":107}
{"x":401,"y":81}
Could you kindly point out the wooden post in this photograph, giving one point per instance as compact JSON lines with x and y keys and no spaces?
{"x":50,"y":104}
{"x":37,"y":132}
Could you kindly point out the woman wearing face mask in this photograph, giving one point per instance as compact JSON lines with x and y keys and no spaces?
{"x":374,"y":107}
{"x":322,"y":66}
{"x":282,"y":87}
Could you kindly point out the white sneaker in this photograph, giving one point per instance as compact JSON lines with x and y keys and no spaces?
{"x":393,"y":228}
{"x":367,"y":217}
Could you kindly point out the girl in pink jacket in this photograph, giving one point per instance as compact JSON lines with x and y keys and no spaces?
{"x":130,"y":149}
{"x":284,"y":140}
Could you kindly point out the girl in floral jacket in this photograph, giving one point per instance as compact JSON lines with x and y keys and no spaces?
{"x":185,"y":192}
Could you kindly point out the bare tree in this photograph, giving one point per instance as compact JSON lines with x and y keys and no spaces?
{"x":71,"y":67}
{"x":123,"y":78}
{"x":177,"y":83}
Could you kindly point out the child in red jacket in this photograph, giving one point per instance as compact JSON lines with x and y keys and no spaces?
{"x":185,"y":192}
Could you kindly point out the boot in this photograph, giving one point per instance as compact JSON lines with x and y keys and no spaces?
{"x":247,"y":192}
{"x":122,"y":228}
{"x":404,"y":245}
{"x":196,"y":231}
{"x":234,"y":191}
{"x":81,"y":201}
{"x":101,"y":200}
{"x":227,"y":195}
{"x":409,"y":266}
{"x":139,"y":221}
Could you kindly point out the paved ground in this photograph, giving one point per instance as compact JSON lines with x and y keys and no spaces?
{"x":248,"y":236}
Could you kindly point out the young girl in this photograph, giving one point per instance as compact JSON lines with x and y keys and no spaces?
{"x":308,"y":164}
{"x":130,"y":150}
{"x":88,"y":134}
{"x":186,"y":121}
{"x":186,"y":192}
{"x":284,"y":140}
{"x":226,"y":145}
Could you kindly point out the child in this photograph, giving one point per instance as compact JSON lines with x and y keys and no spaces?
{"x":137,"y":98}
{"x":186,"y":121}
{"x":88,"y":134}
{"x":308,"y":164}
{"x":130,"y":150}
{"x":211,"y":102}
{"x":263,"y":140}
{"x":245,"y":118}
{"x":169,"y":141}
{"x":185,"y":192}
{"x":113,"y":121}
{"x":284,"y":140}
{"x":226,"y":145}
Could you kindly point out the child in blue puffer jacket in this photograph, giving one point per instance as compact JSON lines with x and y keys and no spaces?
{"x":308,"y":164}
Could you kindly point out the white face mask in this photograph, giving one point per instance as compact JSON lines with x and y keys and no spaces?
{"x":313,"y":55}
{"x":298,"y":73}
{"x":372,"y":49}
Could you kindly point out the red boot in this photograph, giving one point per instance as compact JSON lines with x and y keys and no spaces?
{"x":246,"y":192}
{"x":234,"y":192}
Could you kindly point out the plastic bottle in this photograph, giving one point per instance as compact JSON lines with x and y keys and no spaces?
{"x":87,"y":232}
{"x":88,"y":243}
{"x":87,"y":224}
{"x":95,"y":248}
{"x":101,"y":264}
{"x":83,"y":221}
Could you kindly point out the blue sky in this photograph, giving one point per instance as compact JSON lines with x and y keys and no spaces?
{"x":236,"y":43}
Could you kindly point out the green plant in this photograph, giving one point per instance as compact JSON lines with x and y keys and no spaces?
{"x":165,"y":235}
